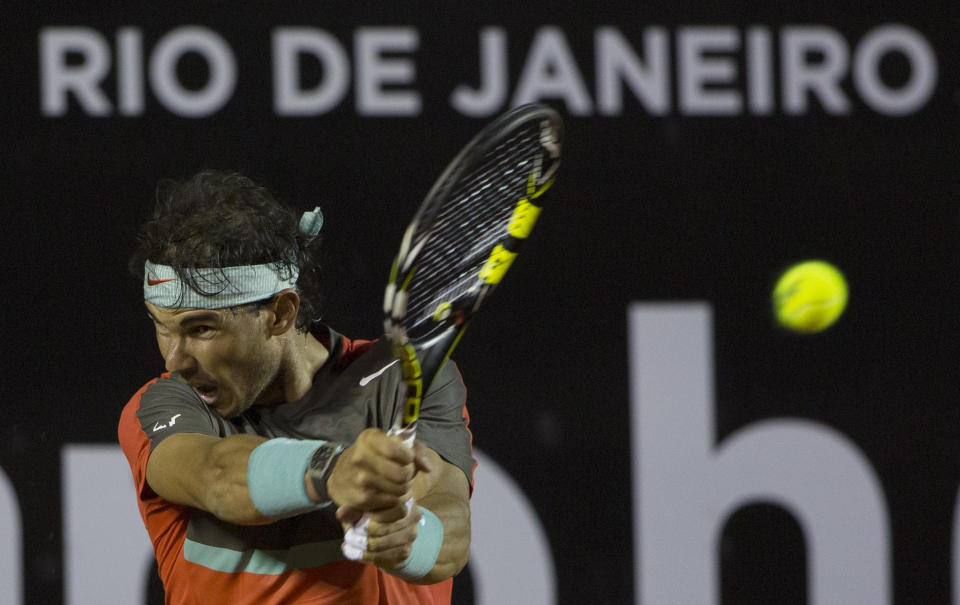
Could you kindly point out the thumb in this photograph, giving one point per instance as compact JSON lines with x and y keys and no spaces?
{"x":348,"y":516}
{"x":420,"y":457}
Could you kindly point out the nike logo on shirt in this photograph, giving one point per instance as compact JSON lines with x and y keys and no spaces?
{"x":366,"y":379}
{"x":157,"y":426}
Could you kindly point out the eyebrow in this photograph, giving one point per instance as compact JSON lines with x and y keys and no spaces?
{"x":209,"y":316}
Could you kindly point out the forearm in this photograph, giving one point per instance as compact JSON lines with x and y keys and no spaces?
{"x":445,"y":491}
{"x":454,"y":514}
{"x":251,"y":480}
{"x":207,"y":473}
{"x":227,"y":492}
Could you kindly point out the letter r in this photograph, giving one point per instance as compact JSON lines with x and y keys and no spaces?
{"x":58,"y":77}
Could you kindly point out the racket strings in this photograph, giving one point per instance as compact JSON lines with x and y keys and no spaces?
{"x":467,"y":223}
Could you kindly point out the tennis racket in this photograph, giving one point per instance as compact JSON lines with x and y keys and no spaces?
{"x":461,"y":242}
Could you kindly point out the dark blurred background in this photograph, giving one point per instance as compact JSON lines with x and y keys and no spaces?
{"x":709,"y":146}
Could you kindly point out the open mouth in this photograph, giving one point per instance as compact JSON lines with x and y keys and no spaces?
{"x":207,"y":393}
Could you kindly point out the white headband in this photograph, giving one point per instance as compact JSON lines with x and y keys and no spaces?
{"x":228,"y":286}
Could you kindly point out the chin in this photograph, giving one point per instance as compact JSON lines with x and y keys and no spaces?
{"x":234,"y":410}
{"x":227,"y":410}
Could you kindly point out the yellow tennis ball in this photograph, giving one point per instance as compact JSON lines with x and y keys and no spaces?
{"x":810,"y":296}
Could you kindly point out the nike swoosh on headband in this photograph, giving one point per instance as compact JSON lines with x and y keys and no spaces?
{"x":366,"y":379}
{"x":154,"y":282}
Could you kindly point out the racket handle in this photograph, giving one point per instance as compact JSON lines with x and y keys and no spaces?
{"x":355,"y":539}
{"x":408,"y":433}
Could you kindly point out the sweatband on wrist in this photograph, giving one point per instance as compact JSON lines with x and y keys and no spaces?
{"x":425,"y":550}
{"x":275,"y":477}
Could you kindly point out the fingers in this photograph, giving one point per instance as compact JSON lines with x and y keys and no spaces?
{"x":389,"y":538}
{"x":421,"y":457}
{"x":392,"y":448}
{"x":348,"y":516}
{"x":373,"y":473}
{"x":385,"y":517}
{"x":382,"y":457}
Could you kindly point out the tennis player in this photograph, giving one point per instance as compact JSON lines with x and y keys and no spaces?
{"x":265,"y":439}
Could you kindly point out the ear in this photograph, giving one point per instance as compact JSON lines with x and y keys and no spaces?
{"x":285,"y":307}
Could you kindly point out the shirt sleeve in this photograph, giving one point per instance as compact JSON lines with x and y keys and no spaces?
{"x":168,"y":407}
{"x":444,"y":424}
{"x":161,"y":408}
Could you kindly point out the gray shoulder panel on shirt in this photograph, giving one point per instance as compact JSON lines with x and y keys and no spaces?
{"x":345,"y":399}
{"x":442,"y":425}
{"x":169,"y":406}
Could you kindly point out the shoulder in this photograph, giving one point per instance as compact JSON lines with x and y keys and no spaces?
{"x":354,"y":348}
{"x":164,"y":406}
{"x":448,"y":384}
{"x":163,"y":388}
{"x":166,"y":391}
{"x":129,"y":423}
{"x":343,"y":350}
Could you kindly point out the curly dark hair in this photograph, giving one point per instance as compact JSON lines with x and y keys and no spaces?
{"x":219,"y":219}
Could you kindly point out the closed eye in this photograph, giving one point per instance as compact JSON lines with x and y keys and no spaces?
{"x":202,"y":330}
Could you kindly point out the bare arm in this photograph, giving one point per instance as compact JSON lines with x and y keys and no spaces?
{"x":208,"y":473}
{"x":447,"y":494}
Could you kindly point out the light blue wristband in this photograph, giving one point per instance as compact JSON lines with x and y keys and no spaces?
{"x":275,"y":477}
{"x":425,"y":550}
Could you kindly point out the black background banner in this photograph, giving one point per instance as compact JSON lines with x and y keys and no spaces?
{"x":655,"y":202}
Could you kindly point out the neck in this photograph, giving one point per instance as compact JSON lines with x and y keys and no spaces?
{"x":302,"y":357}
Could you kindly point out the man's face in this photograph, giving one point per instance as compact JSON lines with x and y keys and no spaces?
{"x":227,"y":358}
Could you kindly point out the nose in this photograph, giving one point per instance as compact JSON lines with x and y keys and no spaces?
{"x":177,"y":358}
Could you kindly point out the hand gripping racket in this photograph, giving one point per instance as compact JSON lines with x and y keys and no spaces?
{"x":456,"y":250}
